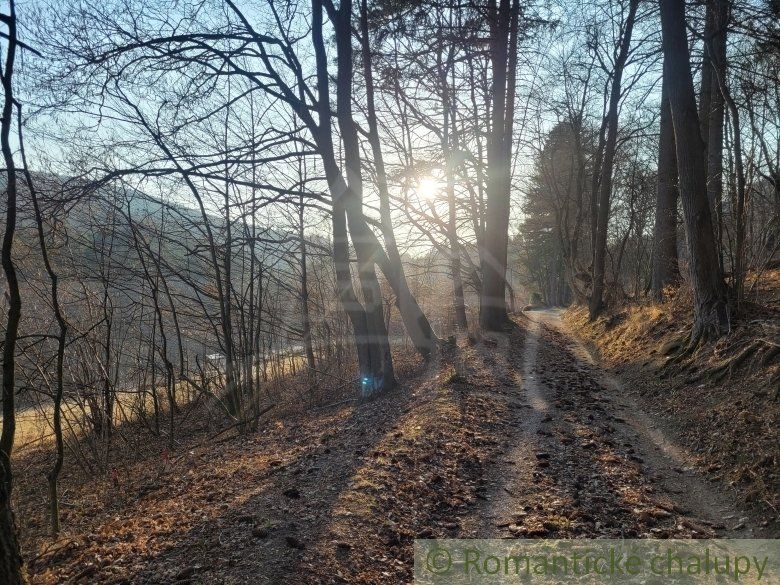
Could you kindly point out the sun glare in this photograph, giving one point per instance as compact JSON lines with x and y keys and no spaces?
{"x":428,"y":188}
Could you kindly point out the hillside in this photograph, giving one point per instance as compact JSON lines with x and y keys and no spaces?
{"x":518,"y":435}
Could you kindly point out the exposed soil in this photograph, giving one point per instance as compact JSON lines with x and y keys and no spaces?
{"x":519,"y":434}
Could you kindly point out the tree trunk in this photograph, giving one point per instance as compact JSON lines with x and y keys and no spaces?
{"x":503,"y":50}
{"x":459,"y":304}
{"x":363,"y":239}
{"x":416,"y":323}
{"x":706,"y":87}
{"x":572,"y":259}
{"x":715,"y":64}
{"x":711,"y":316}
{"x":305,"y":318}
{"x":594,"y":189}
{"x":665,"y":268}
{"x":53,"y":475}
{"x":605,"y":182}
{"x":374,"y":360}
{"x":11,"y":571}
{"x":449,"y":135}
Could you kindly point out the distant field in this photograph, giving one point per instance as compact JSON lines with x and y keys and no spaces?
{"x":34,"y":421}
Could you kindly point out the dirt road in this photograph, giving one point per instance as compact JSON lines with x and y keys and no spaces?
{"x":586,"y":457}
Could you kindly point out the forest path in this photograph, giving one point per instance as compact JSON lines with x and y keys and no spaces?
{"x":586,"y":455}
{"x":521,"y":434}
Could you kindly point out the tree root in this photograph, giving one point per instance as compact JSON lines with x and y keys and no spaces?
{"x":682,"y":350}
{"x":772,"y":352}
{"x":758,"y":351}
{"x":755,"y":349}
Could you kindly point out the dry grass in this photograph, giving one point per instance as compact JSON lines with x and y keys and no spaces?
{"x":34,"y":424}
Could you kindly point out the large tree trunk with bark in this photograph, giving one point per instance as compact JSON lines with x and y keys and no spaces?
{"x":711,"y":315}
{"x":503,"y":57}
{"x":337,"y":187}
{"x":363,"y":239}
{"x":373,"y":348}
{"x":712,"y":107}
{"x":665,"y":267}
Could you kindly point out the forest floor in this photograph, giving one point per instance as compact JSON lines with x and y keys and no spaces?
{"x":514,"y":435}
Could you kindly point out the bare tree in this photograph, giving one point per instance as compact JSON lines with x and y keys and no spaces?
{"x":605,"y":174}
{"x":711,"y":314}
{"x":415,"y":321}
{"x":62,"y":333}
{"x":11,"y":571}
{"x":665,"y":268}
{"x":504,"y":21}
